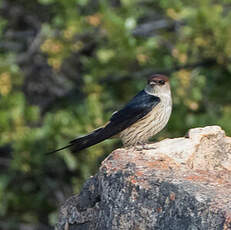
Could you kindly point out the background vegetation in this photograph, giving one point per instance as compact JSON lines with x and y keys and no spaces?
{"x":66,"y":65}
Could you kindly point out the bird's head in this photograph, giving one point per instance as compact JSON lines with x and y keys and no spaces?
{"x":158,"y":83}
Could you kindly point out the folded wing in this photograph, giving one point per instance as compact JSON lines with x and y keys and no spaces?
{"x":137,"y":108}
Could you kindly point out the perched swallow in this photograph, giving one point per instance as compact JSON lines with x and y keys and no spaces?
{"x":144,"y":116}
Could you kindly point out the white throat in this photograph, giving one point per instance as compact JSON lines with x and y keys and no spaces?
{"x":159,"y":91}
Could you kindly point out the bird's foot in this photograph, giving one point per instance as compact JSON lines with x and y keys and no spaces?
{"x":146,"y":146}
{"x":138,"y":147}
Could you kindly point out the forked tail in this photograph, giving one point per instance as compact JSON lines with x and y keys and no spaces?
{"x":83,"y":142}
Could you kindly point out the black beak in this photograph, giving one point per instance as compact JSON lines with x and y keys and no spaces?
{"x":152,"y":83}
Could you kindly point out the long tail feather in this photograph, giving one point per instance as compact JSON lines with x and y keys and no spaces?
{"x":87,"y":141}
{"x":82,"y":142}
{"x":54,"y":151}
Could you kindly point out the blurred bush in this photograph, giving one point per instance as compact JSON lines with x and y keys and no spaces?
{"x":65,"y":66}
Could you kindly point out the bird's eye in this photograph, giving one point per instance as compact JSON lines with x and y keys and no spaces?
{"x":161,"y":82}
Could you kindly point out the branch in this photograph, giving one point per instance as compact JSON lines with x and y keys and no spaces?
{"x":150,"y":28}
{"x":34,"y":46}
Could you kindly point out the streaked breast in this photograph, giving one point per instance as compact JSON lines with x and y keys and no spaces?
{"x":148,"y":126}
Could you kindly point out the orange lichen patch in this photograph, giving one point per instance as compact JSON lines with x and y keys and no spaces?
{"x":133,"y":181}
{"x":139,"y":181}
{"x":195,"y":178}
{"x":121,"y":157}
{"x":227,"y":224}
{"x":209,"y":177}
{"x":139,"y":173}
{"x":164,"y":163}
{"x":116,"y":155}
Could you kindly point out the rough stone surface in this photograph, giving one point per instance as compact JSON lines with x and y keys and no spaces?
{"x":180,"y":184}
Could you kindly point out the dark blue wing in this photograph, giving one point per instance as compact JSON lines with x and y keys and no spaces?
{"x":137,"y":108}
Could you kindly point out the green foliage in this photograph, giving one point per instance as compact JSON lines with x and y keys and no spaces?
{"x":193,"y":46}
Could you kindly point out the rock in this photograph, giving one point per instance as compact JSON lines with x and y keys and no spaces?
{"x":177,"y":184}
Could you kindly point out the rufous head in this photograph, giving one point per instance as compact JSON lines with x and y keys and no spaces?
{"x":157,"y":79}
{"x":158,"y":83}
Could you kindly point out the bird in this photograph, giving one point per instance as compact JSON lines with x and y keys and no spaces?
{"x":145,"y":115}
